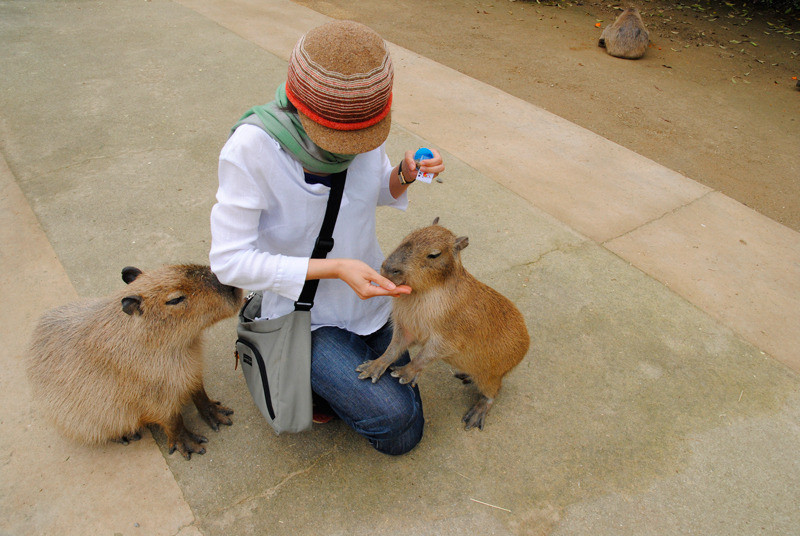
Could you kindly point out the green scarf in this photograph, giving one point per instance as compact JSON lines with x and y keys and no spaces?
{"x":287,"y":130}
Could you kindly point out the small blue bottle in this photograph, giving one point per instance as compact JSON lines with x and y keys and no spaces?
{"x":423,"y":153}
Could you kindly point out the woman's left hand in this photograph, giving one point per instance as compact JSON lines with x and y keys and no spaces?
{"x":433,"y":165}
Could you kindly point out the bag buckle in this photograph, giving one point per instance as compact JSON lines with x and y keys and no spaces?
{"x":302,"y":306}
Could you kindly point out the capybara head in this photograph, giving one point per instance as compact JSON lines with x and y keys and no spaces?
{"x":425,"y":258}
{"x":189,"y":294}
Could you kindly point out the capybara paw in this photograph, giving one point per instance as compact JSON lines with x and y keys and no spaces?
{"x":215,"y":414}
{"x":476,"y":416}
{"x":373,"y":369}
{"x":406,"y":374}
{"x":465,"y":378}
{"x":128,"y":438}
{"x":187,"y":444}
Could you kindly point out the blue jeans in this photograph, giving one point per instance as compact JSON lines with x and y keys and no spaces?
{"x":387,"y":413}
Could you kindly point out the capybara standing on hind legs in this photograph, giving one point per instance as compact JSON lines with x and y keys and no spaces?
{"x":626,"y":37}
{"x":451,"y":316}
{"x":103,"y":368}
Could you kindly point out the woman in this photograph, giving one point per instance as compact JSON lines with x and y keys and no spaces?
{"x":333,"y":114}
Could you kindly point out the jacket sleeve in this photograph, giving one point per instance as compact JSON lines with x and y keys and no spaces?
{"x":385,"y":198}
{"x":235,"y":221}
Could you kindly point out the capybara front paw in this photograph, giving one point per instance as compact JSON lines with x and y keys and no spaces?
{"x":407,"y":374}
{"x":373,"y":369}
{"x":476,"y":416}
{"x":188,"y":443}
{"x":128,"y":438}
{"x":215,"y":414}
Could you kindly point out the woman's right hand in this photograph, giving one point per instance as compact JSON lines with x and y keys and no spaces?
{"x":365,"y":281}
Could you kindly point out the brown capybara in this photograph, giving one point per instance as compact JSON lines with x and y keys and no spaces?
{"x":103,"y":368}
{"x":626,"y":37}
{"x":451,"y":316}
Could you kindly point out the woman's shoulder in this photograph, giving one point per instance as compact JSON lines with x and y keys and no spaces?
{"x":248,"y":141}
{"x":251,"y":156}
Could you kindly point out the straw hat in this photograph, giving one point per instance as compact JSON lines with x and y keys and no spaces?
{"x":340,"y":81}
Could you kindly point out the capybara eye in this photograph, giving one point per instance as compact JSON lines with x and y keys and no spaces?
{"x":434,"y":254}
{"x":176,"y":301}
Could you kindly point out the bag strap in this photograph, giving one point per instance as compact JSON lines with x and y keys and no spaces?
{"x":324,"y":243}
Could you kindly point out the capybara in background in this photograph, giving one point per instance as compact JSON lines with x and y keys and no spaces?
{"x":626,"y":37}
{"x":451,"y":316}
{"x":103,"y":368}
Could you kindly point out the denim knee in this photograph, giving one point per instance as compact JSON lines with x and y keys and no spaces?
{"x":397,"y":431}
{"x":388,"y":414}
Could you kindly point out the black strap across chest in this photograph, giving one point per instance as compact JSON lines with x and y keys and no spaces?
{"x":324,"y":243}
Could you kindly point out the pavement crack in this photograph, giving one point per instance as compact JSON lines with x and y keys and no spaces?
{"x":90,"y":159}
{"x":291,"y":476}
{"x":564,"y":248}
{"x":272,"y":491}
{"x":663,"y":216}
{"x":187,"y":526}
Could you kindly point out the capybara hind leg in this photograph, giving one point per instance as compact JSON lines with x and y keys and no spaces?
{"x":477,"y":414}
{"x":211,"y":411}
{"x":128,"y":438}
{"x":181,"y":439}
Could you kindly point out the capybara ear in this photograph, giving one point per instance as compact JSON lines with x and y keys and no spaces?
{"x":132,"y":305}
{"x":435,"y":220}
{"x":461,"y":242}
{"x":130,"y":273}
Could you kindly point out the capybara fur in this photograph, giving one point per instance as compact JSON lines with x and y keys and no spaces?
{"x":451,"y":316}
{"x":626,"y":37}
{"x":103,"y":368}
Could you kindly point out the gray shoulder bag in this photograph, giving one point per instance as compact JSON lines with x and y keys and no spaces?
{"x":276,"y":353}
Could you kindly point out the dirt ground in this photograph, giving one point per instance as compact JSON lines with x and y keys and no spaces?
{"x":714,"y":97}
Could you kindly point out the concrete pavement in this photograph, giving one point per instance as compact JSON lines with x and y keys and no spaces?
{"x":660,"y":394}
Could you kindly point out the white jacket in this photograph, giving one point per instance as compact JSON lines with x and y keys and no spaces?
{"x":267,"y":218}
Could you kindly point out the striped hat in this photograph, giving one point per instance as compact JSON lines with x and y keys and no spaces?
{"x":340,"y":81}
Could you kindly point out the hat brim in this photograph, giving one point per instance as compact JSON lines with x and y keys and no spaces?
{"x":347,"y":141}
